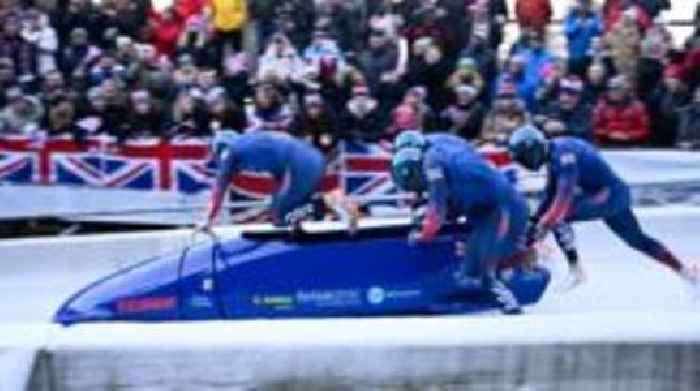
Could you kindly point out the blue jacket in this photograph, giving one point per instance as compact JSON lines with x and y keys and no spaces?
{"x":461,"y":183}
{"x":580,"y":31}
{"x":575,"y":166}
{"x":264,"y":151}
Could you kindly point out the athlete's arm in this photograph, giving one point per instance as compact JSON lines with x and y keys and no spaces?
{"x":436,"y":210}
{"x":566,"y":180}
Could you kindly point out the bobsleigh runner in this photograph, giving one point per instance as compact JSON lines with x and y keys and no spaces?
{"x":274,"y":273}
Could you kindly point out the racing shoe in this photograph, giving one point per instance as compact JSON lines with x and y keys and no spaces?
{"x":504,"y":297}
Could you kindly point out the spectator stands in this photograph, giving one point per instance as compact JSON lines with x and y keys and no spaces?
{"x":330,"y":70}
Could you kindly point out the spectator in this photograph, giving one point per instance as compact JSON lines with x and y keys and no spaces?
{"x":207,"y":82}
{"x":22,"y":114}
{"x":78,"y":55}
{"x":507,"y":114}
{"x":689,"y":129}
{"x":185,"y":76}
{"x":425,"y":116}
{"x":537,"y":57}
{"x":432,"y":71}
{"x":39,"y":32}
{"x":280,"y":63}
{"x":294,"y":18}
{"x":615,"y":10}
{"x":223,"y":113}
{"x":427,"y":25}
{"x":582,"y":24}
{"x":487,"y":63}
{"x":514,"y":77}
{"x":101,"y":116}
{"x":229,"y":19}
{"x":466,"y":116}
{"x":533,"y":14}
{"x":467,"y":74}
{"x":403,"y":117}
{"x":361,"y":121}
{"x":190,"y":118}
{"x":60,"y":119}
{"x":650,"y":67}
{"x":24,"y":54}
{"x":322,"y":46}
{"x":193,"y":42}
{"x":596,"y":84}
{"x":487,"y":19}
{"x":185,"y":9}
{"x":549,"y":85}
{"x":664,"y":104}
{"x":68,"y":17}
{"x":236,"y":77}
{"x":620,"y":118}
{"x":569,"y":115}
{"x":166,"y":28}
{"x":317,"y":123}
{"x":380,"y":65}
{"x":8,"y":78}
{"x":269,"y":111}
{"x":124,"y":50}
{"x":624,"y":41}
{"x":146,"y":117}
{"x":106,"y":67}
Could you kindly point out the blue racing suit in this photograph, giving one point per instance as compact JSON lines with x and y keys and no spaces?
{"x":460,"y":182}
{"x":582,"y":187}
{"x":296,"y":165}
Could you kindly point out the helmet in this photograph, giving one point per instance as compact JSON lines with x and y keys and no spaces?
{"x":409,"y":139}
{"x":222,"y":140}
{"x":528,"y":146}
{"x":407,"y":169}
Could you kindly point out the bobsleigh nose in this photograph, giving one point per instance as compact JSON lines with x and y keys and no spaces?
{"x":70,"y":313}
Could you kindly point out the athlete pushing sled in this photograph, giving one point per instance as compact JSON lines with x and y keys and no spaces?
{"x":583,"y":187}
{"x":459,"y":182}
{"x":295,"y":164}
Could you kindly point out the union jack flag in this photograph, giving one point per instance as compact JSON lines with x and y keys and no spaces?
{"x":358,"y":170}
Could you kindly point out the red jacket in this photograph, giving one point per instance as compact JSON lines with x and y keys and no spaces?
{"x":166,"y":34}
{"x":533,"y":13}
{"x":186,"y":8}
{"x":621,"y":124}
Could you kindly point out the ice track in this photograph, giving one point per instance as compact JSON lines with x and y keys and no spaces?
{"x":36,"y":275}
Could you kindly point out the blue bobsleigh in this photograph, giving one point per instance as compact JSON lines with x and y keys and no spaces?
{"x":275,"y":274}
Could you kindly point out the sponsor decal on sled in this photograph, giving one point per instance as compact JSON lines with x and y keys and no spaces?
{"x":200,"y":301}
{"x":330,"y":298}
{"x":377,"y":295}
{"x":146,"y":304}
{"x":277,"y":302}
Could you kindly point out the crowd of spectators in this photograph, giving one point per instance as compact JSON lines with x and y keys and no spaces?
{"x":331,"y":70}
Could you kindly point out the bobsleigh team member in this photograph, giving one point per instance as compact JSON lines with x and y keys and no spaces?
{"x":296,"y":165}
{"x":457,"y":178}
{"x":582,"y":187}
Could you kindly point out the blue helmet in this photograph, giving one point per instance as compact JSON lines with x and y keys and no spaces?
{"x":407,"y":169}
{"x":528,"y":146}
{"x":222,"y":140}
{"x":409,"y":139}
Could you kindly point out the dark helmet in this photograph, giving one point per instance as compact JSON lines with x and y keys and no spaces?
{"x":528,"y":146}
{"x":407,"y":169}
